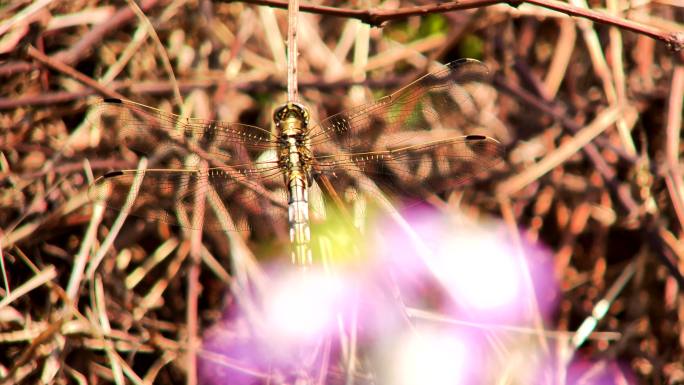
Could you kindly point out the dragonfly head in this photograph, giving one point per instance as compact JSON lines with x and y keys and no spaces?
{"x":291,"y":118}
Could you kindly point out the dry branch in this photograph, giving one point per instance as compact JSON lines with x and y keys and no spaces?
{"x":377,"y":17}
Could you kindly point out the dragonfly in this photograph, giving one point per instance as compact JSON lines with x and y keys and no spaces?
{"x":251,"y":170}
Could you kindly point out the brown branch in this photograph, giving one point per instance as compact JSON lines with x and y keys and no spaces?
{"x":70,"y":71}
{"x":377,"y":17}
{"x":165,"y":87}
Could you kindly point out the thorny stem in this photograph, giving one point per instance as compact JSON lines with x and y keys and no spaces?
{"x":377,"y":17}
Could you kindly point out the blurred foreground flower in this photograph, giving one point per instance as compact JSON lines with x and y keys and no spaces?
{"x":302,"y":305}
{"x":486,"y":278}
{"x":442,"y":303}
{"x":599,"y":372}
{"x":429,"y":356}
{"x":276,"y":337}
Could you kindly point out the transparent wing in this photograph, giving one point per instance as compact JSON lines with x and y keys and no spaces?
{"x":442,"y":98}
{"x":414,"y":138}
{"x":167,"y":192}
{"x":437,"y":165}
{"x":148,"y":130}
{"x":169,"y":195}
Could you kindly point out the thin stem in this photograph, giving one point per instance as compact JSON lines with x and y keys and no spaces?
{"x":194,"y":275}
{"x":673,"y":128}
{"x":292,"y":12}
{"x":162,"y":51}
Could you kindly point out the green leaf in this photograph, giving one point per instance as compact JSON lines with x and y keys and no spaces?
{"x":432,"y":24}
{"x":472,"y":47}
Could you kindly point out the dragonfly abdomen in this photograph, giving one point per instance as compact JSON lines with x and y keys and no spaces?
{"x":295,"y":158}
{"x":298,"y":218}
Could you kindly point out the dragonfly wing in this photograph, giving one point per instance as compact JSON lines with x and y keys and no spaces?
{"x":169,"y":195}
{"x":148,"y":130}
{"x":444,"y":97}
{"x":438,"y":165}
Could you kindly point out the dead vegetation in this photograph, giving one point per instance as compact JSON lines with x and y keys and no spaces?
{"x":590,"y":114}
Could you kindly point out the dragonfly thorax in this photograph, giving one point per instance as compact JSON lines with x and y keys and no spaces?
{"x":291,"y":119}
{"x":294,"y":151}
